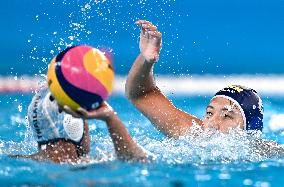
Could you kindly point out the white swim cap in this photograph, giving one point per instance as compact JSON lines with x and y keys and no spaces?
{"x":50,"y":124}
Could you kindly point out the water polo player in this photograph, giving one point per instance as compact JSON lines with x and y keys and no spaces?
{"x":64,"y":138}
{"x":231,"y":107}
{"x":60,"y":137}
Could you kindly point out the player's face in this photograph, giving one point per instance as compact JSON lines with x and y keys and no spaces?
{"x":222,"y":114}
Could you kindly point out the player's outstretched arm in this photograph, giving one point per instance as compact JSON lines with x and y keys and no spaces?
{"x":142,"y":91}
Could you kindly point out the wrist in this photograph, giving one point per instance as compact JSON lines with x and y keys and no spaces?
{"x":110,"y":117}
{"x":147,"y":60}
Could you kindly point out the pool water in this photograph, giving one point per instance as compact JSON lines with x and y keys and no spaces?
{"x":178,"y":163}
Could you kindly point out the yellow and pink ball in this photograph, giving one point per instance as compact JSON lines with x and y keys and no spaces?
{"x":80,"y":76}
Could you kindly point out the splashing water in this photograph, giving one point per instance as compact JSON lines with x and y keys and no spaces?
{"x":205,"y":158}
{"x":102,"y":24}
{"x":211,"y":146}
{"x":201,"y":146}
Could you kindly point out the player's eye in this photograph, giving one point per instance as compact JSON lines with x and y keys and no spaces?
{"x":208,"y":113}
{"x":228,"y":116}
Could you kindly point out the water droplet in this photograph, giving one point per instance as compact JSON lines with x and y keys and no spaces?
{"x":71,"y":37}
{"x":20,"y":108}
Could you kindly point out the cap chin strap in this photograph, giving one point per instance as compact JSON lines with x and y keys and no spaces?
{"x":238,"y":105}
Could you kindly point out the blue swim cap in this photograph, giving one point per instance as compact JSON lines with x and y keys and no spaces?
{"x":249,"y":104}
{"x":49,"y":124}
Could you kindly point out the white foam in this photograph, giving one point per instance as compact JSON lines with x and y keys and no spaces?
{"x":22,"y":84}
{"x":205,"y":146}
{"x":270,"y":85}
{"x":276,"y":122}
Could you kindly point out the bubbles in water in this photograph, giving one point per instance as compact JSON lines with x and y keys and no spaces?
{"x":1,"y":147}
{"x":224,"y":176}
{"x":202,"y":177}
{"x":248,"y":182}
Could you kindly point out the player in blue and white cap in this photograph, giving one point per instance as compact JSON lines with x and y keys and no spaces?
{"x":246,"y":101}
{"x":64,"y":138}
{"x":55,"y":129}
{"x":232,"y":107}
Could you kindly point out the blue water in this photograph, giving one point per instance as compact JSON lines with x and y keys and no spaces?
{"x":199,"y":37}
{"x":175,"y":165}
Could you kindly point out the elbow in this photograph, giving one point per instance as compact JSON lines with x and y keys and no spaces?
{"x":131,"y":95}
{"x":134,"y":94}
{"x":127,"y":92}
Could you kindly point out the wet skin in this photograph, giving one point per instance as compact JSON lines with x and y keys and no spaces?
{"x":222,"y":114}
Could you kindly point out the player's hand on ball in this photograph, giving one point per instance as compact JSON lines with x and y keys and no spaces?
{"x":150,"y":41}
{"x":68,"y":110}
{"x":104,"y":112}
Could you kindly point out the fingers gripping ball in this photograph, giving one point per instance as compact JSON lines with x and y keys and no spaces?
{"x":80,"y":76}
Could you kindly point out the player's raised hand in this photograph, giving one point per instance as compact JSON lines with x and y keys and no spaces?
{"x":150,"y":41}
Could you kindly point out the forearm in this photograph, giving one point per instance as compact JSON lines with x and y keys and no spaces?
{"x":142,"y":91}
{"x":125,"y":147}
{"x":140,"y":79}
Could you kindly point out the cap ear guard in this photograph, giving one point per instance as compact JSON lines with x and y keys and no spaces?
{"x":73,"y":127}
